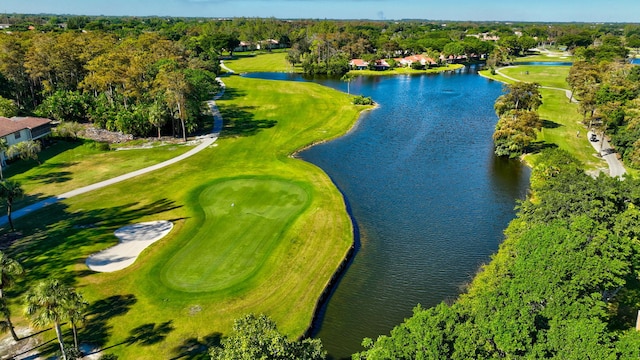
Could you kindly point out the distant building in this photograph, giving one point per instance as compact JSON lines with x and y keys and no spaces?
{"x":358,"y":64}
{"x":422,"y":59}
{"x":244,"y":46}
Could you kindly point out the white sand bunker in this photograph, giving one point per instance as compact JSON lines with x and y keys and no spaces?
{"x":133,"y":239}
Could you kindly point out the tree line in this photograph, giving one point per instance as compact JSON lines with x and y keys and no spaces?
{"x":135,"y":85}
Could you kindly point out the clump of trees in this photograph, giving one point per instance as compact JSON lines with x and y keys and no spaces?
{"x":518,"y":121}
{"x":562,"y":285}
{"x":257,"y":337}
{"x":362,"y":100}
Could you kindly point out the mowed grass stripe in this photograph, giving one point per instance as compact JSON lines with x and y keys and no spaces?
{"x":243,"y":222}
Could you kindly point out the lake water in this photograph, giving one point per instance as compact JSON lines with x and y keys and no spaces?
{"x":427,"y":194}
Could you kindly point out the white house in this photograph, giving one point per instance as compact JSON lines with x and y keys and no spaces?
{"x":18,"y":129}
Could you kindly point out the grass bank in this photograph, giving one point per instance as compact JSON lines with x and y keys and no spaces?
{"x":245,"y":198}
{"x":562,"y":122}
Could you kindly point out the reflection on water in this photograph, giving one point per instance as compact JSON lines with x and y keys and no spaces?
{"x":430,"y":199}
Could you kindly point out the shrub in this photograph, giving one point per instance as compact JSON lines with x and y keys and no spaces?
{"x":362,"y":100}
{"x":100,"y":145}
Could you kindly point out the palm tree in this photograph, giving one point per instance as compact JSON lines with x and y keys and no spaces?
{"x":158,"y":115}
{"x":47,"y":303}
{"x":76,"y":308}
{"x":9,"y":191}
{"x":347,"y":78}
{"x":25,"y":150}
{"x":10,"y":269}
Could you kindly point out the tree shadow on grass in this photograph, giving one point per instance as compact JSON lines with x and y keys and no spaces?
{"x":196,"y":349}
{"x":55,"y":239}
{"x":548,"y":124}
{"x":149,"y":334}
{"x":145,"y":335}
{"x":232,"y":93}
{"x":239,"y":121}
{"x":96,"y":329}
{"x":53,"y":177}
{"x":538,"y":146}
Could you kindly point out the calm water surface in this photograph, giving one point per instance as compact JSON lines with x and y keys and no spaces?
{"x":428,"y":196}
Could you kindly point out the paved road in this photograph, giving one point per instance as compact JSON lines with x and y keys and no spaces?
{"x":223,"y":66}
{"x":616,"y":168}
{"x":204,"y":142}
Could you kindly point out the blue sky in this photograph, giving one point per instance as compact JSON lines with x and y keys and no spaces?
{"x":500,"y":10}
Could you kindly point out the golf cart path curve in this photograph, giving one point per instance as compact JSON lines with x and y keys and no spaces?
{"x":205,"y":141}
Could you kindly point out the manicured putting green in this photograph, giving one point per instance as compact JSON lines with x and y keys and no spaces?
{"x":244,"y":219}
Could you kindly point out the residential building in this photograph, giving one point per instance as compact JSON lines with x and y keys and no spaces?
{"x":18,"y":129}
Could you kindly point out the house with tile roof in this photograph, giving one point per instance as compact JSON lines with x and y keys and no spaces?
{"x":358,"y":64}
{"x":422,"y":59}
{"x":18,"y":129}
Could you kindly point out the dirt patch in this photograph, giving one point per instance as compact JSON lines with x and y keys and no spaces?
{"x":23,"y":349}
{"x":103,"y":135}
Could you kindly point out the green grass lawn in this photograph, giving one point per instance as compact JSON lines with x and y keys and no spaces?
{"x":248,"y":215}
{"x":552,"y":76}
{"x":555,"y":56}
{"x":67,"y":165}
{"x":260,"y":62}
{"x":272,"y":252}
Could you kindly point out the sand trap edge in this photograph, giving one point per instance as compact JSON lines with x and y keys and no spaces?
{"x":134,"y":239}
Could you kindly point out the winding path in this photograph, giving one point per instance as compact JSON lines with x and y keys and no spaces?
{"x":205,"y":141}
{"x":616,"y":168}
{"x":567,"y":92}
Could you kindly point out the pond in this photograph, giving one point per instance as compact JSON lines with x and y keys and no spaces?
{"x":427,"y":194}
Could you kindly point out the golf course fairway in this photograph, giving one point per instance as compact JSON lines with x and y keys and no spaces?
{"x":243,"y":220}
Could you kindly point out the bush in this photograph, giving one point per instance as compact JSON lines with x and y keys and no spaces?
{"x":68,"y":130}
{"x":362,"y":100}
{"x":100,"y":145}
